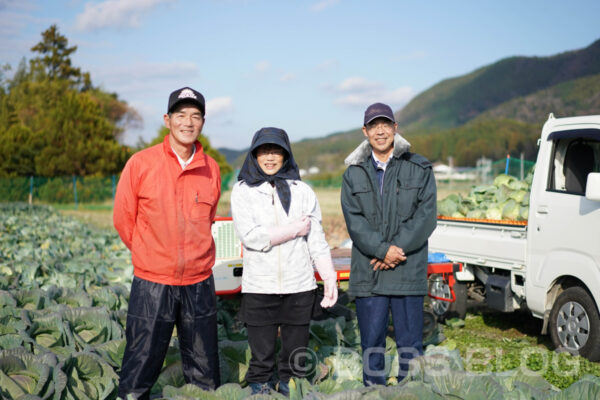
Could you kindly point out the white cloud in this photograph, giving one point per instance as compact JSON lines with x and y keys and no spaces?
{"x":327,"y":65}
{"x":114,"y":14}
{"x":218,"y":105}
{"x":360,"y":92}
{"x":135,"y":77}
{"x":23,"y":5}
{"x":290,"y":76}
{"x":358,"y":84}
{"x":262,"y":66}
{"x":323,"y":4}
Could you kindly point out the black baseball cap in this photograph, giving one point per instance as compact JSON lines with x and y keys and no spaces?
{"x":186,"y":95}
{"x":378,"y":110}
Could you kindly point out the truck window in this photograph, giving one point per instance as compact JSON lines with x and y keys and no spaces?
{"x":573,"y":159}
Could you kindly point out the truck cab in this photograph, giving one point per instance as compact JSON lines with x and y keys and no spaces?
{"x":563,"y":248}
{"x":550,"y":263}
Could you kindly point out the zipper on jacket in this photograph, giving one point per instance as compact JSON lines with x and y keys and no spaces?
{"x":278,"y":246}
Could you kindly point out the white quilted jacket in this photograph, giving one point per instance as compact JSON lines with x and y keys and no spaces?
{"x":287,"y":267}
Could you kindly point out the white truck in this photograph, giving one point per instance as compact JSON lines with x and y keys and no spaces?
{"x":550,"y":264}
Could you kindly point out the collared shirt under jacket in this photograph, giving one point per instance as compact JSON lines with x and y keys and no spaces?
{"x":164,"y":214}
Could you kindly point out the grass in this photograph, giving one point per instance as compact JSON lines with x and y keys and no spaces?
{"x":492,"y":342}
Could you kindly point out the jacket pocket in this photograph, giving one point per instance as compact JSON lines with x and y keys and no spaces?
{"x":367,"y":200}
{"x":407,"y":192}
{"x":202,"y":206}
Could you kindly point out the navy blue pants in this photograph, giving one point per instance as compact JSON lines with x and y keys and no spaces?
{"x":372,"y":314}
{"x":154,"y":310}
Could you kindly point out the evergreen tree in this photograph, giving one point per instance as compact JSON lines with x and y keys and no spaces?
{"x":54,"y":122}
{"x":18,"y":147}
{"x":54,"y":60}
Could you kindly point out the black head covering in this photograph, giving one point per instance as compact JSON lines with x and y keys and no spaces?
{"x":253,"y":175}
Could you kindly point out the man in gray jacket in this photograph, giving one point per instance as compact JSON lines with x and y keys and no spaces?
{"x":389,"y":204}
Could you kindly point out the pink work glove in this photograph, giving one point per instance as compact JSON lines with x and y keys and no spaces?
{"x":297,"y":228}
{"x":325,"y":269}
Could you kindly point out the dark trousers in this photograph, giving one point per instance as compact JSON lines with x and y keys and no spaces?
{"x":372,"y":315}
{"x":265,"y":316}
{"x":263,"y":340}
{"x":154,"y":310}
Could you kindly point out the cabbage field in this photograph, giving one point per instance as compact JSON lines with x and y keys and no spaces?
{"x":506,"y":199}
{"x":63,"y":301}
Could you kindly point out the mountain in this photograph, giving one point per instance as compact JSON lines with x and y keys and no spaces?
{"x":455,"y":101}
{"x":327,"y":153}
{"x":492,"y":138}
{"x":231,"y":155}
{"x":494,"y":110}
{"x":576,"y":97}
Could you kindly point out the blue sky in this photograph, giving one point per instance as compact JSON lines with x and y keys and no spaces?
{"x":309,"y":67}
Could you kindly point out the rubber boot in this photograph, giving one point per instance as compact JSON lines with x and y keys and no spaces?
{"x":261,"y":388}
{"x":284,"y":388}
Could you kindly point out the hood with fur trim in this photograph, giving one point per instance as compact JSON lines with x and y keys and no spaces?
{"x":364,"y":150}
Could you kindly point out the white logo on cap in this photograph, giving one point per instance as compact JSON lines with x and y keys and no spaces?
{"x":187,"y":93}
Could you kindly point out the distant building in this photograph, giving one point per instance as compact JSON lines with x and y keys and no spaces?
{"x":439,"y":168}
{"x":443,"y":172}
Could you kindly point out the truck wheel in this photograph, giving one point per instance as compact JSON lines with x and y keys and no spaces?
{"x":443,"y":309}
{"x":575,"y":325}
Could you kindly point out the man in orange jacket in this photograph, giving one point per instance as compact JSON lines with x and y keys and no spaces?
{"x":164,"y":206}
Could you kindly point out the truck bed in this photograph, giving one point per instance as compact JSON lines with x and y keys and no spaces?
{"x":488,"y":243}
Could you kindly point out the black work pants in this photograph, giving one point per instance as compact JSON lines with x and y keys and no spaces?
{"x":154,"y":309}
{"x":291,"y":362}
{"x":265,"y":316}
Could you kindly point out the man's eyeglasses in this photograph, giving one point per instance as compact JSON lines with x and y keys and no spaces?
{"x":380,"y":124}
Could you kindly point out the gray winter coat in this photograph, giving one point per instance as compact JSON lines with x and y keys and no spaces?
{"x":405,"y":217}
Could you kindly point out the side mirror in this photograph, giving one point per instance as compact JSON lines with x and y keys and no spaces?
{"x":592,"y":188}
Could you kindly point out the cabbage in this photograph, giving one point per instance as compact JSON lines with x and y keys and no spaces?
{"x":345,"y":364}
{"x":519,"y":195}
{"x":447,"y":207}
{"x":506,"y":199}
{"x":24,"y":374}
{"x":503,"y":179}
{"x":503,"y":193}
{"x":524,"y":213}
{"x":477,"y":214}
{"x":91,"y":326}
{"x":89,"y":376}
{"x":510,"y":210}
{"x":493,"y":213}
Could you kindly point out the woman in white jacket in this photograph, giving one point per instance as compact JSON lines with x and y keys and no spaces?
{"x":278,"y":219}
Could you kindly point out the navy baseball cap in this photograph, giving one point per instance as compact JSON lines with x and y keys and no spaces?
{"x":378,"y":110}
{"x":186,"y":95}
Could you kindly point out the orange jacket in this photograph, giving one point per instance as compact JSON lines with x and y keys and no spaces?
{"x":164,"y":214}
